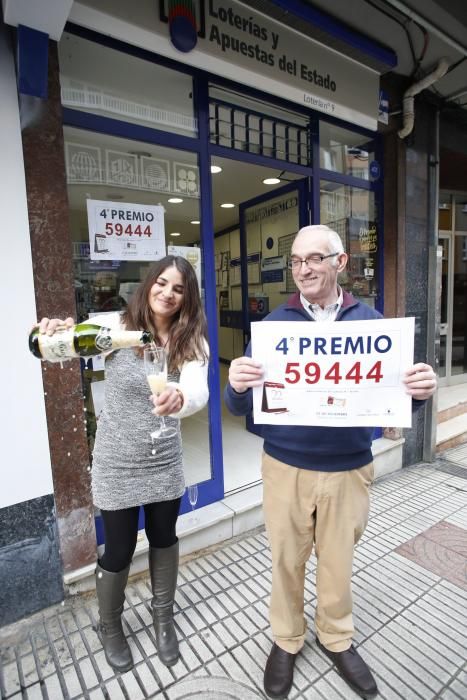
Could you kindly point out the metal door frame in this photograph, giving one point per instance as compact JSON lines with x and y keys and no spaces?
{"x":445,"y":329}
{"x":450,"y":379}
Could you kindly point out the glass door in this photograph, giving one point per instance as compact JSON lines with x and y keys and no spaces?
{"x":268,"y":225}
{"x":453,"y":241}
{"x":459,"y":306}
{"x":256,"y":211}
{"x":444,"y":329}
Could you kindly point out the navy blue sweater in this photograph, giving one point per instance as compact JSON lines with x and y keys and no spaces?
{"x":307,"y":447}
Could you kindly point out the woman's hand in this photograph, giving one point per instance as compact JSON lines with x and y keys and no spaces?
{"x":168,"y":402}
{"x":50,"y":325}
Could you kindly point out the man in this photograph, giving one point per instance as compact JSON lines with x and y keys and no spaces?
{"x":316,"y":482}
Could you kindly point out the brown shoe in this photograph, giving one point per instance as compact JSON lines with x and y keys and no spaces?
{"x":353,"y":670}
{"x":278,"y":674}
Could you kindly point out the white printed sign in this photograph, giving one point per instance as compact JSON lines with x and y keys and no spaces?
{"x":347,"y":373}
{"x":123,"y":231}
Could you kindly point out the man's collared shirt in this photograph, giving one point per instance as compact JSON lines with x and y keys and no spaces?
{"x":329,"y":312}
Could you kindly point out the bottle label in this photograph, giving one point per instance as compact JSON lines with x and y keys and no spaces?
{"x":114,"y":339}
{"x":103,"y":339}
{"x":57,"y":347}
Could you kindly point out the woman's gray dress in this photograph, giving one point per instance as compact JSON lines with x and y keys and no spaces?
{"x":128,"y":469}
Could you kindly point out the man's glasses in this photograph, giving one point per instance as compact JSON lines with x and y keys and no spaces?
{"x":296,"y":263}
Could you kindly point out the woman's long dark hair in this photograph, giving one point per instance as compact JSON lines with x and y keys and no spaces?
{"x":187,"y":333}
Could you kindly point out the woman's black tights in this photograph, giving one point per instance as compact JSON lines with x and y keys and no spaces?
{"x":121,"y":531}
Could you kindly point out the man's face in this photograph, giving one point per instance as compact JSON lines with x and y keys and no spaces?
{"x":318,"y":280}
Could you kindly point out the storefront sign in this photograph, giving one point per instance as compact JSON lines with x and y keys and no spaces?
{"x":294,"y":66}
{"x":121,"y":231}
{"x":333,"y":374}
{"x":237,"y":42}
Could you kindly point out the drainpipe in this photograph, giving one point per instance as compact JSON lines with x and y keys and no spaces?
{"x":408,"y":109}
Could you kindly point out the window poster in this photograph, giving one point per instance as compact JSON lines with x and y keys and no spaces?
{"x":125,"y":231}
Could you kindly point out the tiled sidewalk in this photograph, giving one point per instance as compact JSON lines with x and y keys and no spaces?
{"x":410,"y":621}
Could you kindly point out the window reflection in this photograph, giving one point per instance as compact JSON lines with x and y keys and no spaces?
{"x":100,"y":80}
{"x":344,"y":151}
{"x":351,"y":212}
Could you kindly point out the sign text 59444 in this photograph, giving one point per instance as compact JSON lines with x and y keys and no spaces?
{"x":346,"y":360}
{"x":312,"y":373}
{"x":118,"y":229}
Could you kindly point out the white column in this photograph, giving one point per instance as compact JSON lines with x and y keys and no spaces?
{"x":25,"y":458}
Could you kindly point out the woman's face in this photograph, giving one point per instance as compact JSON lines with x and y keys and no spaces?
{"x":167,"y":292}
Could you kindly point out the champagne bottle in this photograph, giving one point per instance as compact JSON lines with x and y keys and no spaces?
{"x":83,"y":340}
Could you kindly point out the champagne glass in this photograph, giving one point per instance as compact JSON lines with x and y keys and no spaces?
{"x":193,"y":498}
{"x":155,"y":364}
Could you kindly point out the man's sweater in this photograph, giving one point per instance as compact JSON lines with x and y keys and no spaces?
{"x":318,"y":448}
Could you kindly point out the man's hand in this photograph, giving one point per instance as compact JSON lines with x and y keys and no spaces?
{"x":245,"y":373}
{"x":420,"y":381}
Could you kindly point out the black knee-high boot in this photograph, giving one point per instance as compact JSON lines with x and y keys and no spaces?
{"x":163,"y":566}
{"x":110,"y":588}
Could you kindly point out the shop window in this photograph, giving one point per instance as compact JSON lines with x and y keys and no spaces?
{"x":114,"y":170}
{"x":351,"y":212}
{"x":118,"y":169}
{"x":344,"y":151}
{"x":103,"y":81}
{"x":105,"y":173}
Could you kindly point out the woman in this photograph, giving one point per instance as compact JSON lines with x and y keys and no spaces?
{"x":128,"y":470}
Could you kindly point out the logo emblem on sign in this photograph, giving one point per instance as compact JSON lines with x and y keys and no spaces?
{"x":181,"y":16}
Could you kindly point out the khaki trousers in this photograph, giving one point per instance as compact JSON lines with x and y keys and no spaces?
{"x":303,"y":508}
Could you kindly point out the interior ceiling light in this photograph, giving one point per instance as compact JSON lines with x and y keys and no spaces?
{"x":444,"y":205}
{"x":195,"y":221}
{"x":175,"y":234}
{"x":175,"y":200}
{"x":216,"y":169}
{"x":227,"y":205}
{"x":271,"y":181}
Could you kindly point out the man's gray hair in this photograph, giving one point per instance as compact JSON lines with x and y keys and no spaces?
{"x":334,"y":240}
